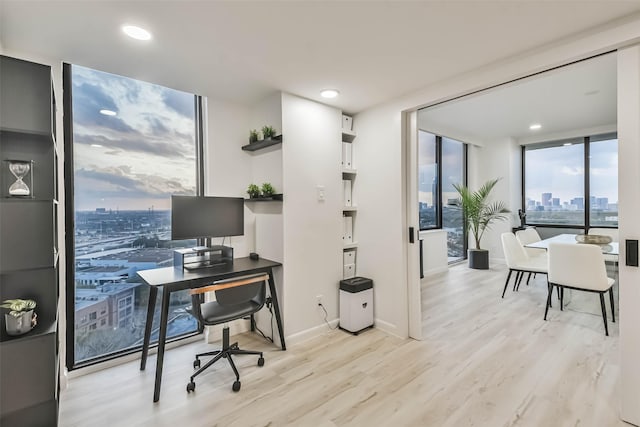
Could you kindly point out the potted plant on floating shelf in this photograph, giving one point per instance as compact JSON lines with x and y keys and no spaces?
{"x":253,"y":136}
{"x":20,"y":318}
{"x":253,"y":191}
{"x":268,"y":190}
{"x":268,"y":132}
{"x":478,"y":214}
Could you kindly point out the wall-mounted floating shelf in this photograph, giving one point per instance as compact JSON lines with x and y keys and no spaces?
{"x":263,"y":143}
{"x":274,"y":198}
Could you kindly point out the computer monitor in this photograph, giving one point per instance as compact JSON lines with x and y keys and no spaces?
{"x":194,"y":217}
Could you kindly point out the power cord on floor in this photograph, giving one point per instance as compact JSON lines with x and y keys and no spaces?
{"x":325,"y":317}
{"x":269,"y":304}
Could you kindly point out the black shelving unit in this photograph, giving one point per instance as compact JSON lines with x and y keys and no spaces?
{"x":28,"y":244}
{"x":263,"y":143}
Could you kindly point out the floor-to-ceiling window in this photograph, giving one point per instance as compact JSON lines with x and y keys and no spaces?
{"x":133,"y":145}
{"x":453,"y":172}
{"x":442,"y":163}
{"x":572,"y":183}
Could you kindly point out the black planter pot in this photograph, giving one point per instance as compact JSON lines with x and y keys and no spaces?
{"x":478,"y":259}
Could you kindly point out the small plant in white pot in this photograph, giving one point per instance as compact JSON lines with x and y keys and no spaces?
{"x":20,"y":318}
{"x":478,"y":213}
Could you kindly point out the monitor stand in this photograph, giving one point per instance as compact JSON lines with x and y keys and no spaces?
{"x":202,"y":257}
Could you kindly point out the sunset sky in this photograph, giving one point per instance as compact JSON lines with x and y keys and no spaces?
{"x":139,"y":157}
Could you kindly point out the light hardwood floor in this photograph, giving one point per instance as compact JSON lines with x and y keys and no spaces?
{"x":485,"y":361}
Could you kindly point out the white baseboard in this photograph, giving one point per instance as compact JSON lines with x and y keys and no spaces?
{"x":388,"y":328}
{"x":307,"y":334}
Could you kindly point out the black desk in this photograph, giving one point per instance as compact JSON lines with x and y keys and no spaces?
{"x":176,"y":279}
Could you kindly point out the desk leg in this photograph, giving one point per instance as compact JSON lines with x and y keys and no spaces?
{"x":151,"y":306}
{"x":164,"y":315}
{"x":276,"y":306}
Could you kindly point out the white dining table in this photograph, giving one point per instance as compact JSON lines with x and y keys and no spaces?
{"x":608,"y":249}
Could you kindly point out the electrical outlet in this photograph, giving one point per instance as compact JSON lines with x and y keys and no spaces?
{"x":319,"y":299}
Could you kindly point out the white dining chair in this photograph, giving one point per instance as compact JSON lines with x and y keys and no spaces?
{"x":528,"y":236}
{"x":519,"y":261}
{"x":580,"y":267}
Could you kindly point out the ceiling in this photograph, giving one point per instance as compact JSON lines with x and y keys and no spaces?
{"x":241,"y":51}
{"x":570,"y":99}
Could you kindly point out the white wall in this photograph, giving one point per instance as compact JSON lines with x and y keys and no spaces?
{"x":312,"y":228}
{"x":629,"y":226}
{"x":500,"y":159}
{"x":266,"y":165}
{"x":381,"y":229}
{"x":227,"y":167}
{"x":434,"y":247}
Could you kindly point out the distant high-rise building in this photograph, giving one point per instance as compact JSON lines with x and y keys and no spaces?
{"x":602,"y":203}
{"x":555,"y":201}
{"x":578,"y":202}
{"x":546,"y":199}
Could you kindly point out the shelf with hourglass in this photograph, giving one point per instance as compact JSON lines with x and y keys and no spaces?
{"x":22,"y":171}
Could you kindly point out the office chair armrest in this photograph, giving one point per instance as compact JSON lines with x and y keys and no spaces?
{"x":229,"y":284}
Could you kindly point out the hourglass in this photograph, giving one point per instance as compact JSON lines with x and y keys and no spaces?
{"x":20,"y":169}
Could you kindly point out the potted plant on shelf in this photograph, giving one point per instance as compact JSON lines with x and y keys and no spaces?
{"x":267,"y":190}
{"x":478,"y":214}
{"x":253,"y":191}
{"x":20,"y":318}
{"x":253,"y":136}
{"x":268,"y":132}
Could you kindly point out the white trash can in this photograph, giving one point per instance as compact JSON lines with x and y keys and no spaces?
{"x":356,"y":304}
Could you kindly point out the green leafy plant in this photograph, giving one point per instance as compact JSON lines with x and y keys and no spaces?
{"x":18,"y":306}
{"x":253,"y":135}
{"x":268,"y":190}
{"x":478,"y":212}
{"x":253,"y":191}
{"x":268,"y":131}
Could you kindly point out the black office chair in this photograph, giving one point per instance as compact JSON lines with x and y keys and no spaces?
{"x":235,"y":299}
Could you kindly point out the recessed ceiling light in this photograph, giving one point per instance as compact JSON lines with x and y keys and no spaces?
{"x":592,"y":92}
{"x":535,"y":126}
{"x":136,"y":32}
{"x":567,"y":144}
{"x":329,"y":93}
{"x":108,"y":112}
{"x":96,"y":145}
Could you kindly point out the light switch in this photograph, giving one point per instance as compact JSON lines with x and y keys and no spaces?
{"x":320,"y":192}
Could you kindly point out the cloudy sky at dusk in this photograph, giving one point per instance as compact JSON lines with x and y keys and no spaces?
{"x":137,"y":158}
{"x":560,"y":171}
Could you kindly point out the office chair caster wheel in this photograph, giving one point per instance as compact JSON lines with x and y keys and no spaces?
{"x":196,"y":364}
{"x":261,"y":361}
{"x":192,"y":387}
{"x":236,"y":386}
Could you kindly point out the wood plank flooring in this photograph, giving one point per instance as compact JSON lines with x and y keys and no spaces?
{"x":485,"y":361}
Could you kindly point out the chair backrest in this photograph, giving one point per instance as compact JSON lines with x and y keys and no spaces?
{"x":577,"y":265}
{"x":251,"y":292}
{"x":611,"y":232}
{"x":514,"y":253}
{"x":527,"y":236}
{"x":248,"y":294}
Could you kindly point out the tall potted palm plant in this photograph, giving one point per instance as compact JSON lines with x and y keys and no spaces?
{"x":478,"y":213}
